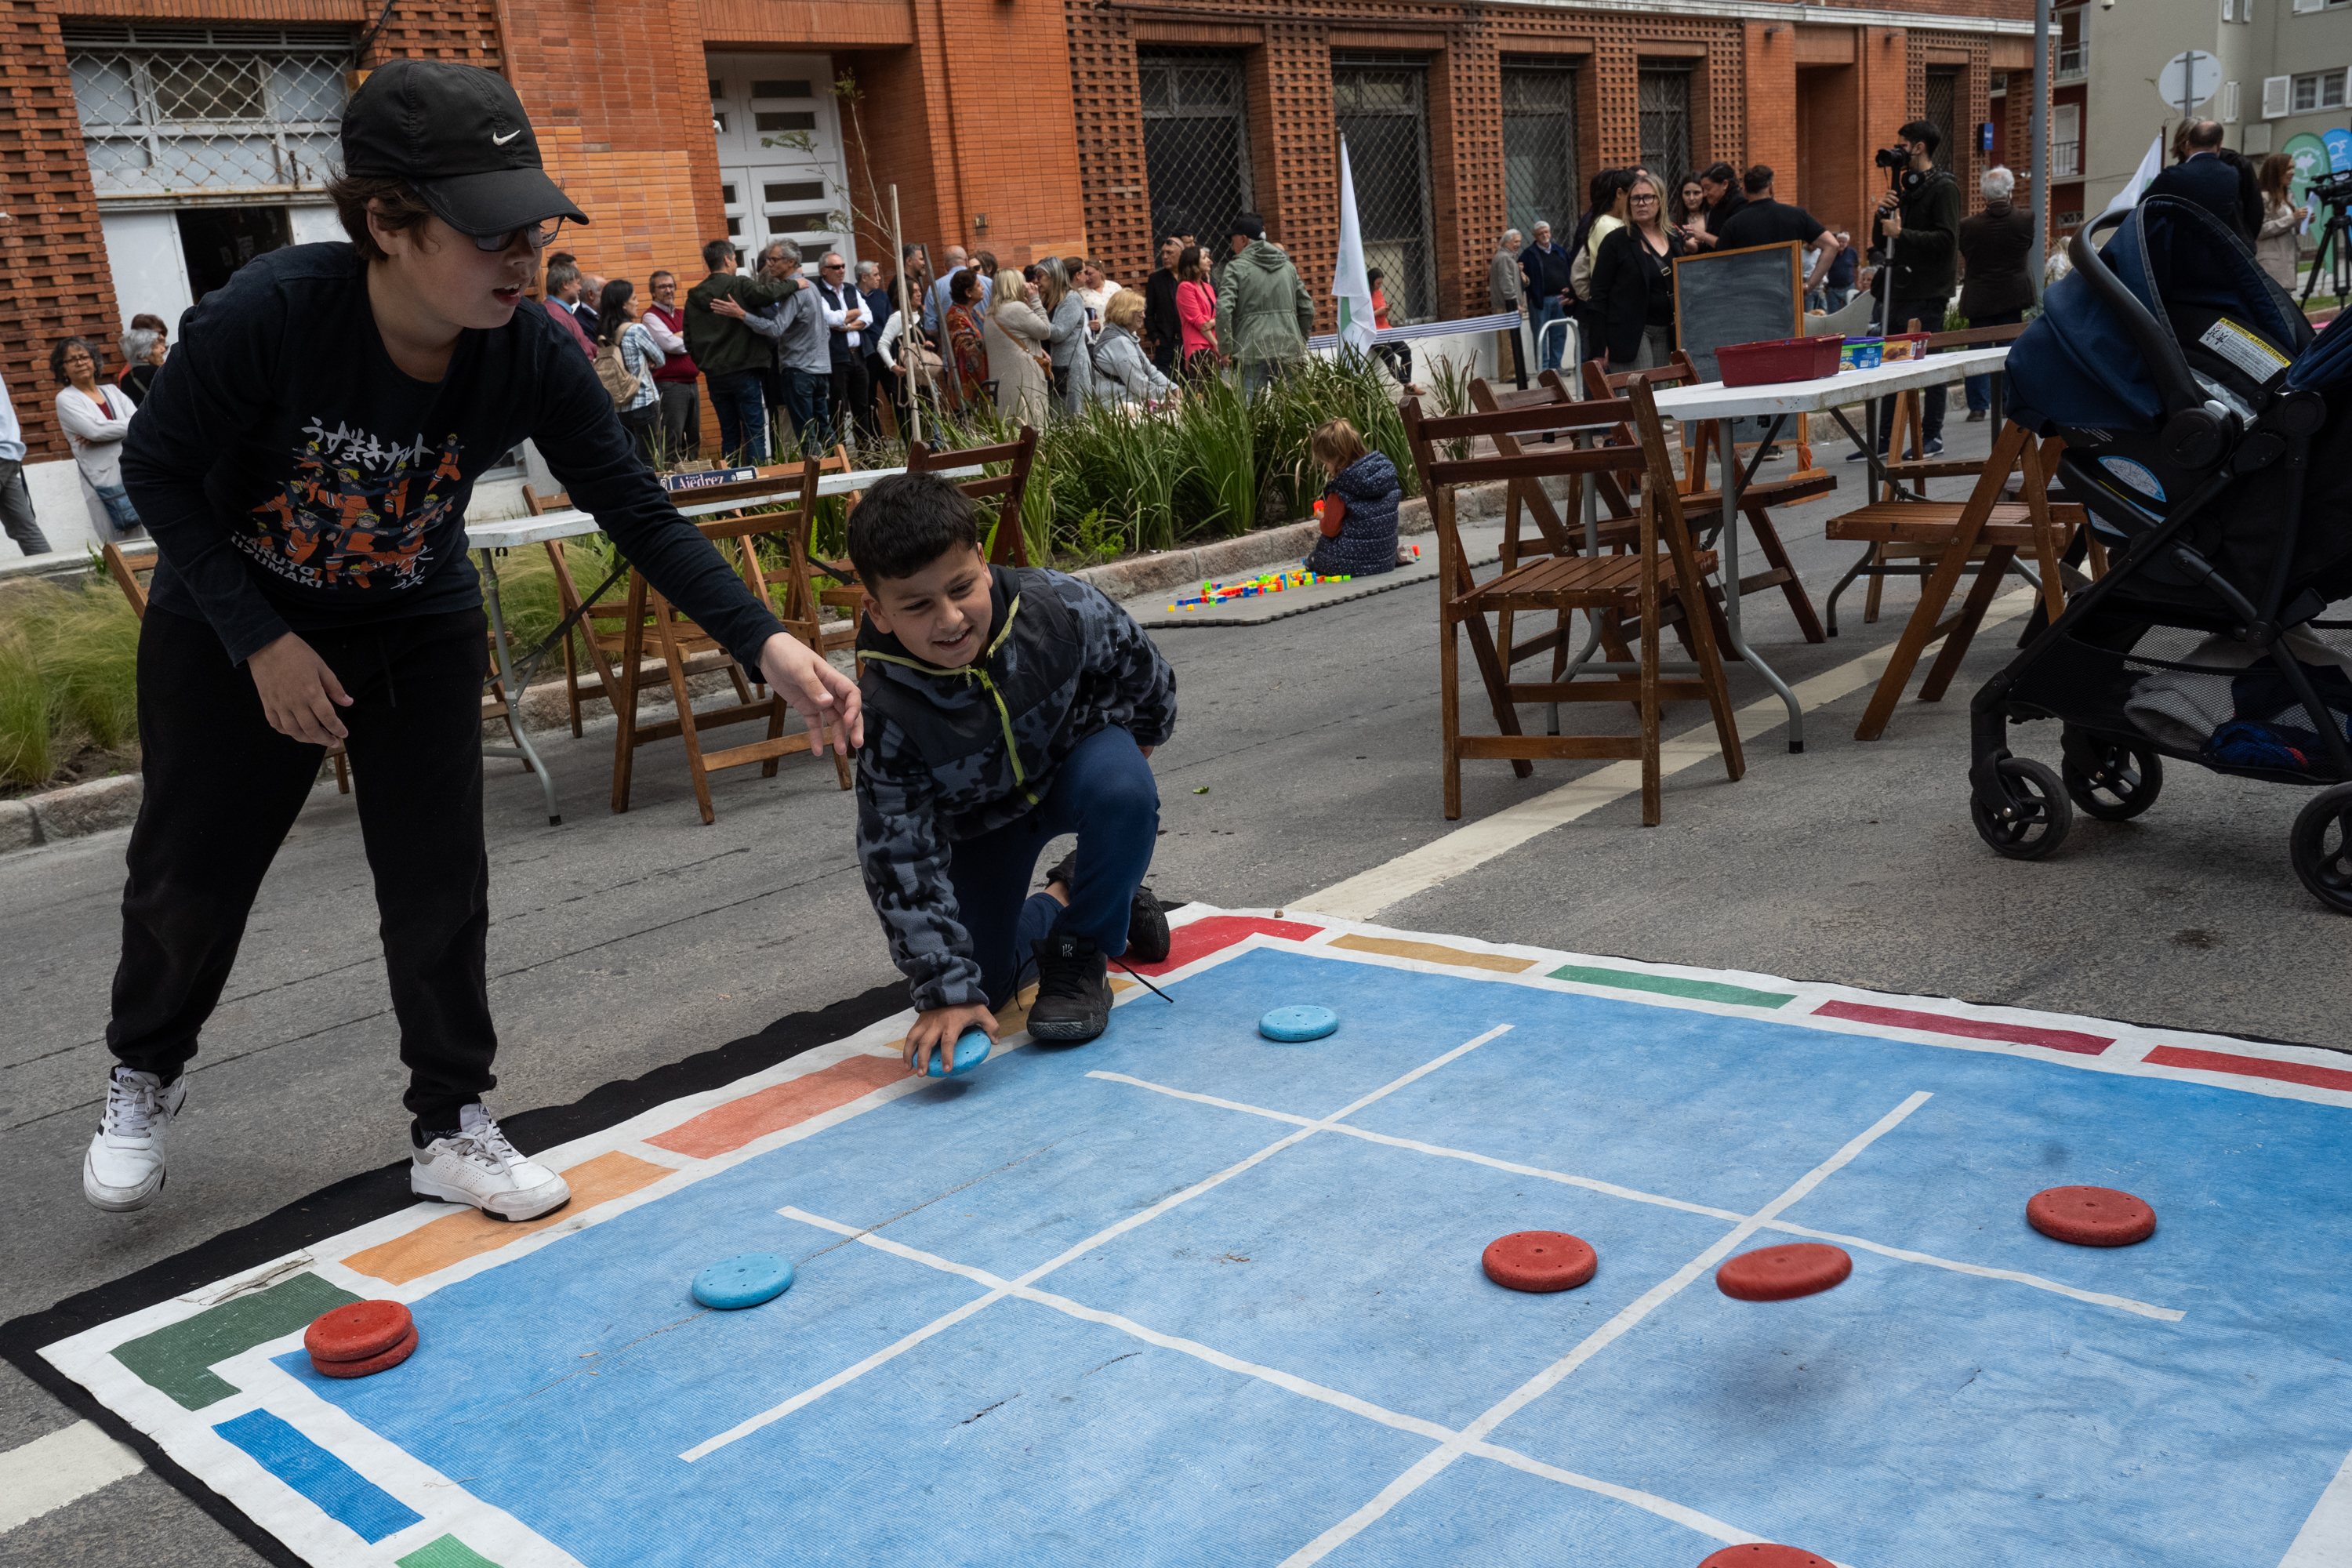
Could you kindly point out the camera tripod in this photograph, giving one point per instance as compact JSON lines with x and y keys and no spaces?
{"x":2334,"y":257}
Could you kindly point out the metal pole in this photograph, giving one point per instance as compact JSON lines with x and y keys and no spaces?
{"x":2041,"y":144}
{"x":908,"y":316}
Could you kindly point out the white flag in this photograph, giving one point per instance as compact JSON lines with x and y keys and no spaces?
{"x":2129,"y":194}
{"x":1349,"y":284}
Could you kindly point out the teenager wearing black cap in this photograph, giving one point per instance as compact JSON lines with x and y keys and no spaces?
{"x":304,"y":466}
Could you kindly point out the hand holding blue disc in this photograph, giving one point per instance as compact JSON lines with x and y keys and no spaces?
{"x":971,"y":1050}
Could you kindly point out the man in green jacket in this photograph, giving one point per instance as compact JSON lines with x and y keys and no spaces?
{"x":733,"y":356}
{"x":1264,"y":313}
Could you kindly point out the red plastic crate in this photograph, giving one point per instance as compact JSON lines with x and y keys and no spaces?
{"x":1786,"y":358}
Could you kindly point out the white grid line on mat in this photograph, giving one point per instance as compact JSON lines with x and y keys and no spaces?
{"x":1594,"y":1344}
{"x":1107,"y":1233}
{"x":1631,"y":1194}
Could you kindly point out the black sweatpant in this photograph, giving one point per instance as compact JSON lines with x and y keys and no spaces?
{"x":222,"y":790}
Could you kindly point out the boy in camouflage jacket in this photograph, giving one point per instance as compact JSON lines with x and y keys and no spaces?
{"x":1003,"y":707}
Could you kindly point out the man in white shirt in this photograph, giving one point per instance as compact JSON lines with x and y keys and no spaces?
{"x":934,"y":303}
{"x":852,"y":394}
{"x":16,"y":501}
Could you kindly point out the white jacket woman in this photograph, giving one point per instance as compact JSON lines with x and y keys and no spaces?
{"x":1016,"y":332}
{"x":95,"y":418}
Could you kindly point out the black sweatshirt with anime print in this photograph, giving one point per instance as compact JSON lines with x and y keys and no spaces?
{"x":295,"y":480}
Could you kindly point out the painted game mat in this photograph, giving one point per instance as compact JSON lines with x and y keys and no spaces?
{"x":1187,"y":1296}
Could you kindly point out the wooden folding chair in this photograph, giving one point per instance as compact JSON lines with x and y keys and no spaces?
{"x":1985,"y":530}
{"x":1704,"y":506}
{"x":1612,"y":586}
{"x":125,"y":573}
{"x":1009,"y":547}
{"x":1904,"y":432}
{"x":676,"y":638}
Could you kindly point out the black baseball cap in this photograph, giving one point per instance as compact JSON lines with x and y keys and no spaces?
{"x":458,"y":135}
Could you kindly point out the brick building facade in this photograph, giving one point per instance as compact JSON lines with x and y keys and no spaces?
{"x":1027,"y":128}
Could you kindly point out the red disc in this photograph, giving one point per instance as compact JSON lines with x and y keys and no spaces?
{"x":1760,"y":1554}
{"x":356,"y":1330}
{"x":1539,"y":1260}
{"x":1783,"y":1273}
{"x":388,"y":1359}
{"x":2091,"y":1216}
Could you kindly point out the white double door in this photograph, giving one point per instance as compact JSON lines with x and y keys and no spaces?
{"x":781,"y":173}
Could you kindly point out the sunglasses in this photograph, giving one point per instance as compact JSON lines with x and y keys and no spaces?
{"x":1639,"y":200}
{"x":541,"y":236}
{"x":830,"y":267}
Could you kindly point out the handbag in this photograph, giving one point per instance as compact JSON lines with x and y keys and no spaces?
{"x":615,"y":376}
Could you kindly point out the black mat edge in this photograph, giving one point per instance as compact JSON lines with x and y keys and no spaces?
{"x":371,"y":1195}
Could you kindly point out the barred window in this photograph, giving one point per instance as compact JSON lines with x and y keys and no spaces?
{"x":1665,"y":120}
{"x":1381,"y":103}
{"x":174,"y":110}
{"x":1539,"y":147}
{"x":1944,"y":111}
{"x":1196,"y":158}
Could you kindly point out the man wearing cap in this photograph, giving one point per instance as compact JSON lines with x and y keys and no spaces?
{"x":1264,"y":312}
{"x":304,"y":466}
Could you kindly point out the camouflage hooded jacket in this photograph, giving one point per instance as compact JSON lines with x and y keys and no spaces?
{"x":950,"y":755}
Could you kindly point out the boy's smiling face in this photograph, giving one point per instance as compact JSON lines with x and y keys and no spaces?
{"x":942,"y":612}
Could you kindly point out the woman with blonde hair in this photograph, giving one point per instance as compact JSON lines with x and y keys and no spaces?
{"x":1016,"y":333}
{"x":2278,"y":248}
{"x":1123,"y":371}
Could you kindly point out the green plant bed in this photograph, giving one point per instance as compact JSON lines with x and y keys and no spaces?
{"x":68,"y":678}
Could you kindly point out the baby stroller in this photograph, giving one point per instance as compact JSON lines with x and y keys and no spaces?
{"x":2205,"y":441}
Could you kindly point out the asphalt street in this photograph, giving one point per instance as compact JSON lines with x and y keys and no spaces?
{"x":1307,"y":753}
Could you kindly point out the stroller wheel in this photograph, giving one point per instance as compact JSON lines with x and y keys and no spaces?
{"x":2039,"y":817}
{"x":2321,"y":848}
{"x":2120,"y":783}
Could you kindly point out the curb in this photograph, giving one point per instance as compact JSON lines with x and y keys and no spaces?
{"x":70,"y":812}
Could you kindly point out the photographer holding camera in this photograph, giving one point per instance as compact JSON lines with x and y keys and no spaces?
{"x":1919,"y":220}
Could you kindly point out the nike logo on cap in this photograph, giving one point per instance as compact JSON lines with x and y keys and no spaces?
{"x":502,"y":141}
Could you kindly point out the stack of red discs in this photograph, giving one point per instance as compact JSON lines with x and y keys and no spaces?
{"x":360,"y":1338}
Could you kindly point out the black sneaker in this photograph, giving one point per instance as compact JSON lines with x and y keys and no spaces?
{"x":1147,"y":923}
{"x":1073,"y":1003}
{"x":1935,"y":446}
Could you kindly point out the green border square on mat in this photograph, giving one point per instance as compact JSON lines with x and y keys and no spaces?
{"x":449,"y":1552}
{"x":1673,"y":986}
{"x":178,"y":1360}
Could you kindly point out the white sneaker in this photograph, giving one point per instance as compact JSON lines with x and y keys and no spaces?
{"x":476,"y":1165}
{"x":124,"y":1168}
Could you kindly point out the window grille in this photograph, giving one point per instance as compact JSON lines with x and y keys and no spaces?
{"x":1665,"y":122}
{"x":1382,"y":106}
{"x":1943,"y":110}
{"x":179,"y":111}
{"x":1540,"y":148}
{"x":2320,"y":89}
{"x":1196,"y":157}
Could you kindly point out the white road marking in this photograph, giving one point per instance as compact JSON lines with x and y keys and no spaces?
{"x":2095,"y":1298}
{"x":1592,"y":1344}
{"x":2325,"y":1538}
{"x":1363,"y":896}
{"x":1664,"y":1507}
{"x":49,"y":1472}
{"x":849,"y":1374}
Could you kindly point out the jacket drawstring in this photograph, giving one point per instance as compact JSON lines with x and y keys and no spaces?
{"x":977,"y":670}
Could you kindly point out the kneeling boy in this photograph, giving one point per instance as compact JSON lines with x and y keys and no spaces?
{"x":1003,"y":707}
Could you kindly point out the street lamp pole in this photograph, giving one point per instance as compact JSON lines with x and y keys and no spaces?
{"x":2040,"y":143}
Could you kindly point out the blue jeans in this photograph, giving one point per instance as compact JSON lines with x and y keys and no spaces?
{"x":1547,"y":310}
{"x":742,"y":416}
{"x":1981,"y":387}
{"x":804,"y":400}
{"x":1104,"y":792}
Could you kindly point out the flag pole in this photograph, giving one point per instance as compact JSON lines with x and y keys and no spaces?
{"x":907,"y":330}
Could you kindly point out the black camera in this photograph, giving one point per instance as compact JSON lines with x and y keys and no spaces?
{"x":2334,"y":190}
{"x":1892,"y":158}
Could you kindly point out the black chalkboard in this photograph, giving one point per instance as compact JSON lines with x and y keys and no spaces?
{"x":1751,"y":296}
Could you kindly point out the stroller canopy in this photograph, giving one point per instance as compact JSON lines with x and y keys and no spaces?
{"x":2078,"y":364}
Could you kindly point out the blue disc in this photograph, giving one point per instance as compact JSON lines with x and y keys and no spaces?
{"x":971,"y":1050}
{"x":1290,"y":1024}
{"x":744,"y":1281}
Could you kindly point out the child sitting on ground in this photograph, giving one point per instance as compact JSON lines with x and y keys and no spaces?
{"x":1358,"y":513}
{"x":1002,"y":708}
